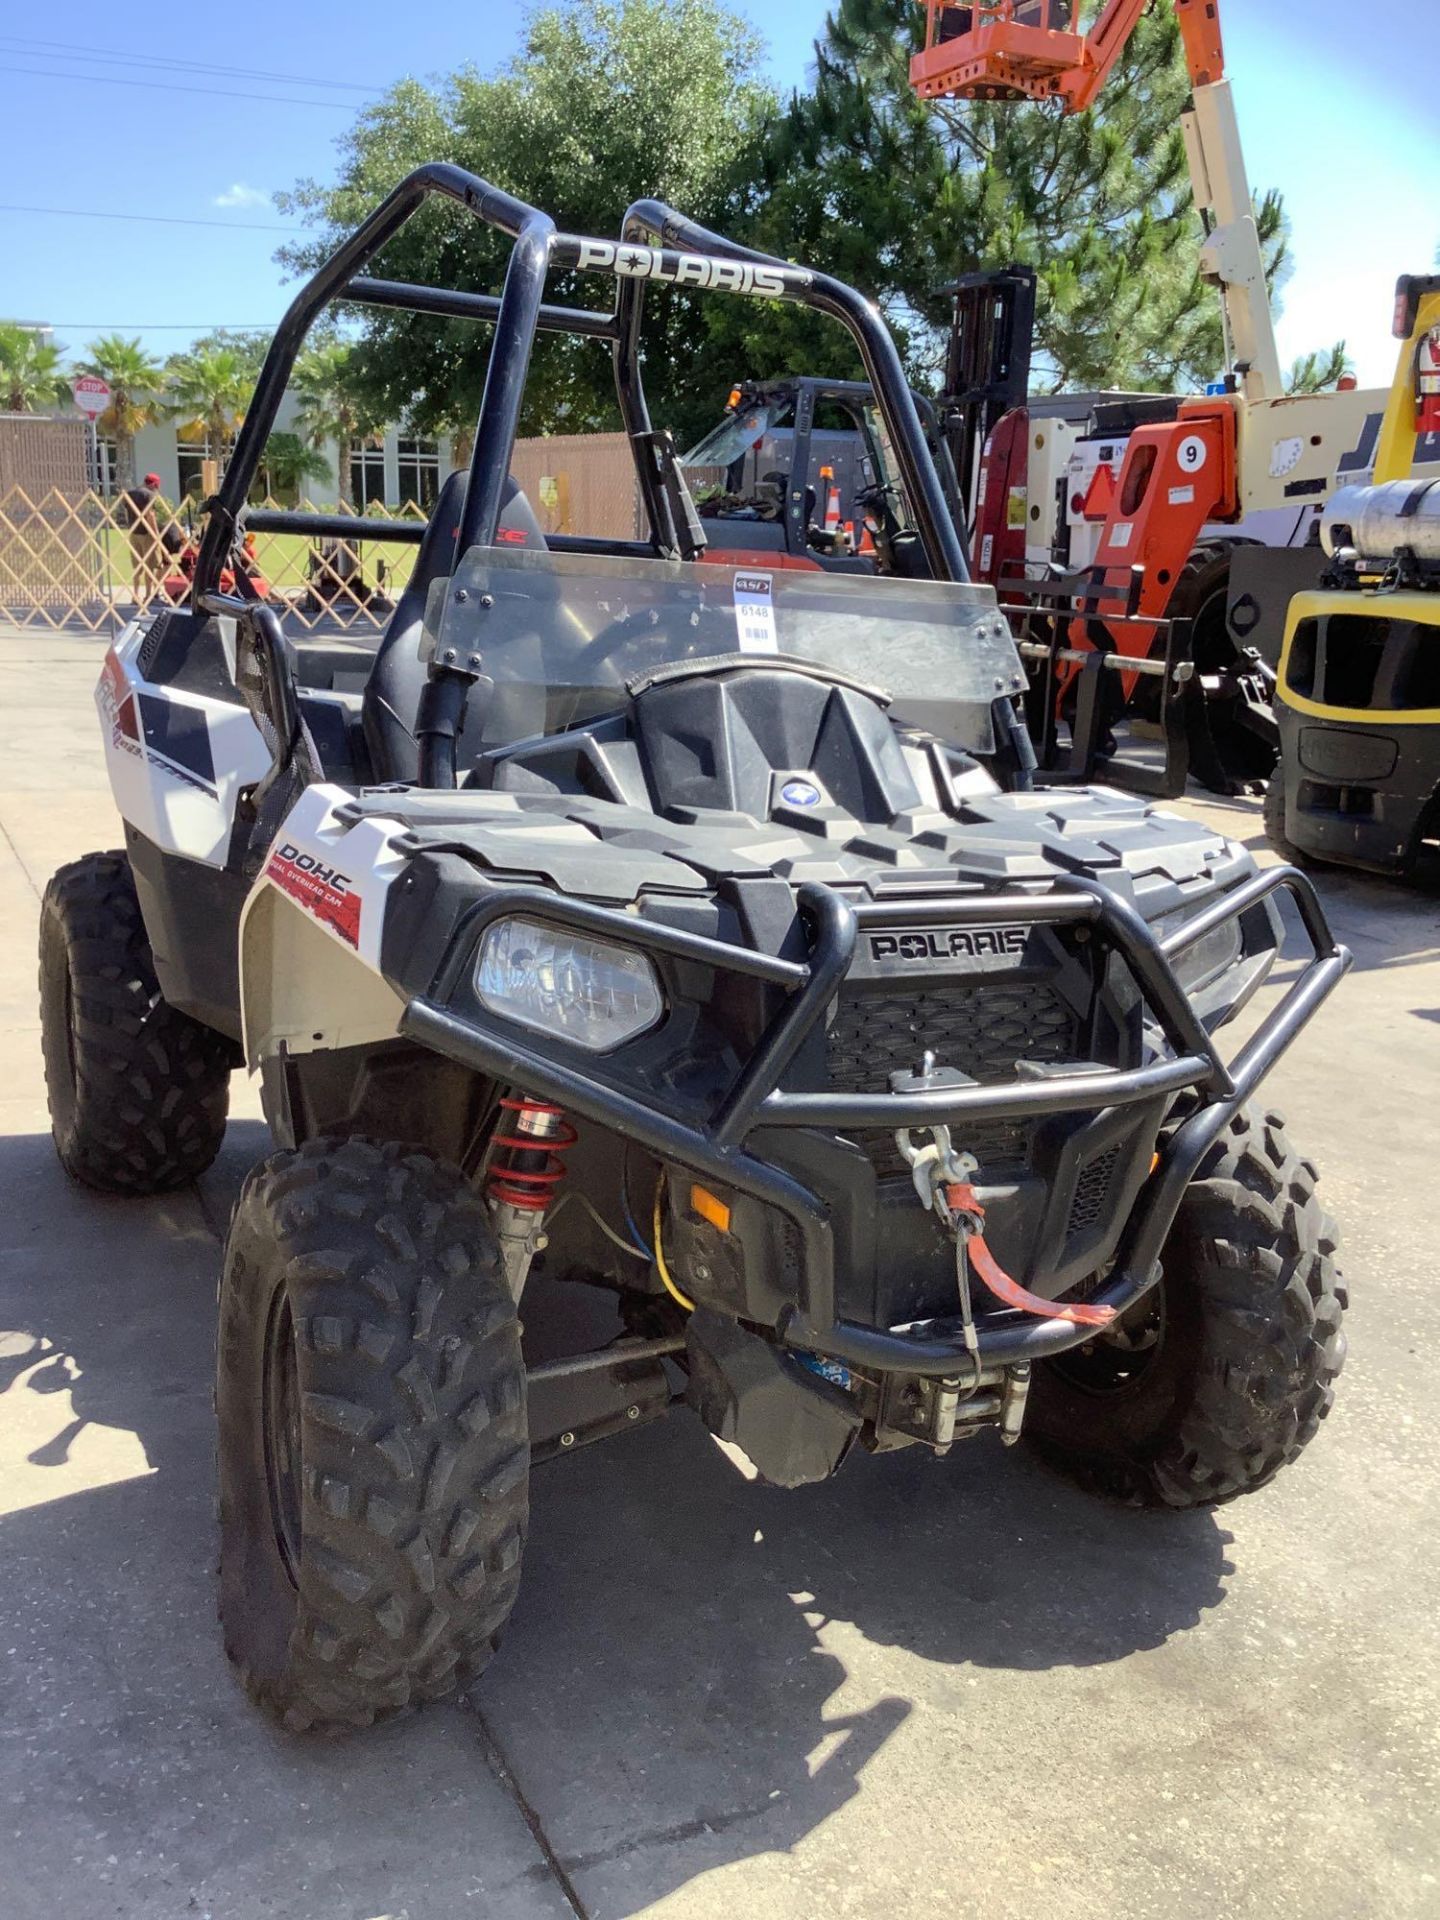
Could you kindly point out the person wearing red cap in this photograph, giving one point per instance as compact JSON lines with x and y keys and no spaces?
{"x":143,"y":510}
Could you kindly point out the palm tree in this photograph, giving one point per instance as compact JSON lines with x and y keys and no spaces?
{"x":288,"y":463}
{"x":30,"y":375}
{"x":135,"y":381}
{"x":331,"y":408}
{"x":208,"y":390}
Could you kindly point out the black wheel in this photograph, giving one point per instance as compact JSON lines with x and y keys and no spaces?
{"x":1222,"y":1374}
{"x":138,"y":1091}
{"x":374,"y":1457}
{"x":1231,"y":746}
{"x":1275,"y":825}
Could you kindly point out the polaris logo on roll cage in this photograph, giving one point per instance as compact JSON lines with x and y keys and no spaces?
{"x":923,"y":945}
{"x":689,"y":269}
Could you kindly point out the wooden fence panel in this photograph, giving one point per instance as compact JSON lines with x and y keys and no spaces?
{"x":581,"y":483}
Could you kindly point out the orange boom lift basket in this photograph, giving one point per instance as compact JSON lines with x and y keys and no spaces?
{"x":1027,"y":49}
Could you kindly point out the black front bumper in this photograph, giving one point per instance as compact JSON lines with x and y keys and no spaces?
{"x":718,"y":1147}
{"x":1356,"y":793}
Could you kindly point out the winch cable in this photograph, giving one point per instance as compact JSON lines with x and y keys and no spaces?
{"x":962,"y":1200}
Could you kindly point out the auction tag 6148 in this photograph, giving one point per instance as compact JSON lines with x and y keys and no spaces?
{"x":755,"y":612}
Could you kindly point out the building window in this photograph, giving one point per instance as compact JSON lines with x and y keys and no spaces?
{"x":367,"y":474}
{"x":191,"y":455}
{"x":102,"y":468}
{"x":419,"y":472}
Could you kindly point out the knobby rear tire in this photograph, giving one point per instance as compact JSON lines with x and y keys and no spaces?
{"x":138,"y":1091}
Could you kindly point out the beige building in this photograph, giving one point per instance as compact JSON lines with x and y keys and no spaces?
{"x":387,"y":470}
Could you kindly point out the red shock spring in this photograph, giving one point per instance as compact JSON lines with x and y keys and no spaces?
{"x":530,"y":1154}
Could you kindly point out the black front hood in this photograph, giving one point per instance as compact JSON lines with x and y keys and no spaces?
{"x":761,"y":773}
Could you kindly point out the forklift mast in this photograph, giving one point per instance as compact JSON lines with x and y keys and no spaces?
{"x":987,"y":368}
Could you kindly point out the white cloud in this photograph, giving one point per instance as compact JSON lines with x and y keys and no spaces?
{"x":241,"y":196}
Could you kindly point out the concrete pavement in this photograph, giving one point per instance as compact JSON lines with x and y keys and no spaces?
{"x":923,"y":1688}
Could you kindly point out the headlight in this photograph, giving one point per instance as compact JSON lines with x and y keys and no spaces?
{"x":1199,"y":963}
{"x":590,"y":992}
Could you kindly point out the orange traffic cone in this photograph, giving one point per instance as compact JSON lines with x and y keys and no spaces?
{"x":832,"y":500}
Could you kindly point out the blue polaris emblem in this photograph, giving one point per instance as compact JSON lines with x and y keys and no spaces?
{"x":800,"y":793}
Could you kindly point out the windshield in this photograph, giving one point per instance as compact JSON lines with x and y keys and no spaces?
{"x":735,"y":435}
{"x":887,"y":467}
{"x":566,"y":637}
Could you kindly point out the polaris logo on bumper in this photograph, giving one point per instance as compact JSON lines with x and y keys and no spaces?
{"x":931,"y":946}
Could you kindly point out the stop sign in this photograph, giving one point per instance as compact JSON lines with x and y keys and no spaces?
{"x":92,"y":394}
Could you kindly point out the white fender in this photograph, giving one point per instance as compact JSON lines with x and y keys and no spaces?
{"x":310,"y":932}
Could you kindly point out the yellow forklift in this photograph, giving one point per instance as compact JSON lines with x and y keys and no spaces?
{"x":1358,"y":693}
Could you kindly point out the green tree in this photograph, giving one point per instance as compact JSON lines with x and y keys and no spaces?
{"x":1318,"y":372}
{"x":250,"y":347}
{"x":136,"y":381}
{"x":30,"y":371}
{"x":208,"y":389}
{"x":288,"y":463}
{"x":603,"y":104}
{"x":335,"y":404}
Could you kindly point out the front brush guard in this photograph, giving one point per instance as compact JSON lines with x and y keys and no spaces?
{"x":718,"y":1146}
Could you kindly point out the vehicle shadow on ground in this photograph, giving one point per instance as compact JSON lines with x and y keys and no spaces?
{"x":701,"y":1644}
{"x":711,"y":1637}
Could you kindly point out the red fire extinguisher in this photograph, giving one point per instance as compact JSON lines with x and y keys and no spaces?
{"x":1427,"y":383}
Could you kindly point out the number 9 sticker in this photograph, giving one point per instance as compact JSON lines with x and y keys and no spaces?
{"x":1191,"y":453}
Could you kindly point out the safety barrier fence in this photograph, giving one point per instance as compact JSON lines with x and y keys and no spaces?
{"x":79,"y":561}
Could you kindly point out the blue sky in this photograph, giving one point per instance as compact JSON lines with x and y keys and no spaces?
{"x":1342,"y":120}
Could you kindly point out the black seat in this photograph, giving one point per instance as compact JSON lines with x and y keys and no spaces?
{"x":392,"y":693}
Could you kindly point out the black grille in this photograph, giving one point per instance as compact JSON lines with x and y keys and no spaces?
{"x":982,"y":1030}
{"x":1092,"y":1189}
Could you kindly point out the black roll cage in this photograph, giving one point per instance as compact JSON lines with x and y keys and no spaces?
{"x":655,"y":242}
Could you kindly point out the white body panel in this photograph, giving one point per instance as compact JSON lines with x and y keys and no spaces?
{"x":337,"y":874}
{"x":311,"y":929}
{"x":177,"y":761}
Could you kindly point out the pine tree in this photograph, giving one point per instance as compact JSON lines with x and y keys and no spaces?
{"x":901,"y":197}
{"x":611,"y":101}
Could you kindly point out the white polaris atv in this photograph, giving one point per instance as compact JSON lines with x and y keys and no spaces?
{"x":700,"y":932}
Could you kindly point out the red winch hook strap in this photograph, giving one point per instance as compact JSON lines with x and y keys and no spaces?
{"x":960,"y":1197}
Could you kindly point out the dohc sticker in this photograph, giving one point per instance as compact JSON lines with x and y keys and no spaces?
{"x":321,"y":890}
{"x":755,"y":612}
